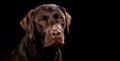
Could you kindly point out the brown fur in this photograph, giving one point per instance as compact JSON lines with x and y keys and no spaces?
{"x":44,"y":28}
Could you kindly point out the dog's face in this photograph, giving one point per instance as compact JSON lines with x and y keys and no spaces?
{"x":49,"y":21}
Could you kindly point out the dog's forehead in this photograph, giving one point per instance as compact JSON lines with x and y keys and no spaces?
{"x":48,"y":9}
{"x":47,"y":6}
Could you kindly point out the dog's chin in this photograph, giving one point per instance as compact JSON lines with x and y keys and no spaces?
{"x":50,"y":41}
{"x":53,"y":43}
{"x":53,"y":48}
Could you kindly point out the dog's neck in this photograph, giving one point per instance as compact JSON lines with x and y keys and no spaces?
{"x":36,"y":51}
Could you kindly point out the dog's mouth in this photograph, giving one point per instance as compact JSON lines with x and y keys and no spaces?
{"x":57,"y":41}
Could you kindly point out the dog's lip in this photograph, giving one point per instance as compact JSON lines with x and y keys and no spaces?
{"x":56,"y":42}
{"x":55,"y":38}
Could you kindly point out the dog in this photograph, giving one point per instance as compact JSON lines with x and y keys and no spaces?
{"x":44,"y":26}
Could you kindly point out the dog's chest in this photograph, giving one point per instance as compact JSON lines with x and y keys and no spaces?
{"x":36,"y":54}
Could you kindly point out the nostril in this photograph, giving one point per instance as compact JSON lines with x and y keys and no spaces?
{"x":53,"y":34}
{"x":58,"y":33}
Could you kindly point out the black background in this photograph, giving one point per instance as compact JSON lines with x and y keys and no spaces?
{"x":11,"y":12}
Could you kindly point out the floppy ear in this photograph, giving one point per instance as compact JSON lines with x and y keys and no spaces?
{"x":67,"y":17}
{"x":27,"y":23}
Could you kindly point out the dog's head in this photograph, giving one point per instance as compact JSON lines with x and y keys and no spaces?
{"x":48,"y":21}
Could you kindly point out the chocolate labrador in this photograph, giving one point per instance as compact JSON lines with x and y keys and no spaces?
{"x":44,"y":28}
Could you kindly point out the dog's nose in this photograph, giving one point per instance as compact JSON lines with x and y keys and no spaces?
{"x":56,"y":33}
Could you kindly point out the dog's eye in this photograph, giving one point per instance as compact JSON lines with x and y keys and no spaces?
{"x":55,"y":15}
{"x":45,"y":18}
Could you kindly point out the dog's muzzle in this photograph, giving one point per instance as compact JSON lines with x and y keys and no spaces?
{"x":54,"y":36}
{"x":56,"y":33}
